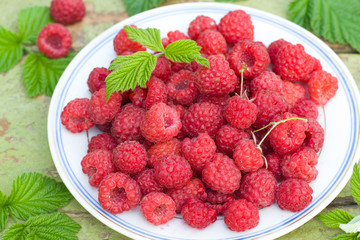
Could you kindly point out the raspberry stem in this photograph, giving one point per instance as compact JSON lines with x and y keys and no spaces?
{"x":243,"y":68}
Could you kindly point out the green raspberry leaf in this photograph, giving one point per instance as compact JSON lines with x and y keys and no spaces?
{"x":11,"y":49}
{"x":351,"y":227}
{"x":41,"y":74}
{"x":4,"y":211}
{"x":31,"y":21}
{"x":355,"y":184}
{"x":129,"y":71}
{"x":149,"y":37}
{"x":335,"y":217}
{"x":17,"y":231}
{"x":185,"y":51}
{"x":347,"y":236}
{"x":299,"y":12}
{"x":34,"y":194}
{"x":137,"y":6}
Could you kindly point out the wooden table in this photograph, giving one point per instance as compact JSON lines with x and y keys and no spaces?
{"x":23,"y":135}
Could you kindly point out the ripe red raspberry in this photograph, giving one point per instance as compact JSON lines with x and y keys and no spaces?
{"x":162,"y":69}
{"x":197,"y":214}
{"x":317,"y":67}
{"x":160,"y":123}
{"x":212,"y":42}
{"x":123,"y":44}
{"x":96,"y":79}
{"x":305,"y":108}
{"x":259,"y":188}
{"x":219,"y":201}
{"x":221,"y":174}
{"x":293,"y":92}
{"x":227,"y":138}
{"x":130,"y":157}
{"x":314,"y":135}
{"x":67,"y":11}
{"x":98,"y":164}
{"x":240,"y":113}
{"x":158,"y":150}
{"x":147,"y":183}
{"x":247,"y":157}
{"x":300,"y":165}
{"x":172,"y":171}
{"x":101,"y":111}
{"x":293,"y":195}
{"x":241,"y":215}
{"x":220,"y":101}
{"x":275,"y":47}
{"x":198,"y":151}
{"x":266,"y":80}
{"x":118,"y":193}
{"x":235,"y":26}
{"x":322,"y":87}
{"x":253,"y":54}
{"x":75,"y":116}
{"x":173,"y":36}
{"x":138,"y":96}
{"x":218,"y":80}
{"x":158,"y":208}
{"x":182,"y":88}
{"x":273,"y":161}
{"x":202,"y":118}
{"x":126,"y":124}
{"x":102,"y":141}
{"x":200,"y":24}
{"x":54,"y":40}
{"x":156,"y":92}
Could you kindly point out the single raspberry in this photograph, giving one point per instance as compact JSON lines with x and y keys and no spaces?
{"x":172,"y":171}
{"x":240,"y":112}
{"x":67,"y":11}
{"x":293,"y":195}
{"x":158,"y":208}
{"x":275,"y":47}
{"x":197,"y":214}
{"x":182,"y":88}
{"x":317,"y":67}
{"x":75,"y":116}
{"x":96,"y":79}
{"x":314,"y":135}
{"x":102,"y":141}
{"x":218,"y":80}
{"x":198,"y":151}
{"x":241,"y":215}
{"x":247,"y":157}
{"x":54,"y":40}
{"x":221,"y":174}
{"x":147,"y":183}
{"x":219,"y":201}
{"x":158,"y":150}
{"x":305,"y":108}
{"x":130,"y":157}
{"x":138,"y":96}
{"x":259,"y":188}
{"x":293,"y":92}
{"x":251,"y":54}
{"x":173,"y":36}
{"x":266,"y":80}
{"x":300,"y":165}
{"x":202,"y":118}
{"x":219,"y":101}
{"x":162,"y":69}
{"x":118,"y":193}
{"x":212,"y":42}
{"x":235,"y":26}
{"x":274,"y":165}
{"x":199,"y":25}
{"x":106,"y":127}
{"x":101,"y":111}
{"x":322,"y":87}
{"x":123,"y":44}
{"x":160,"y":123}
{"x":98,"y":164}
{"x":227,"y":138}
{"x":126,"y":124}
{"x":157,"y":92}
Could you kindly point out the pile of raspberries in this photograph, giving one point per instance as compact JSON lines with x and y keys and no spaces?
{"x":188,"y":142}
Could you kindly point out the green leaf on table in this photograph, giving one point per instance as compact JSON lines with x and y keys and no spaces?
{"x":16,"y":231}
{"x":41,"y":74}
{"x":335,"y":217}
{"x":351,"y":227}
{"x":355,"y":184}
{"x":137,"y":6}
{"x":11,"y":49}
{"x":149,"y":37}
{"x":4,"y":211}
{"x":346,"y":236}
{"x":34,"y":194}
{"x":31,"y":21}
{"x":299,"y":12}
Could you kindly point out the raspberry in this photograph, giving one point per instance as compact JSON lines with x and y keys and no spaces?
{"x":158,"y":208}
{"x":199,"y":25}
{"x":75,"y":116}
{"x":293,"y":92}
{"x":54,"y":40}
{"x":235,"y":26}
{"x":147,"y":183}
{"x":97,"y":164}
{"x":266,"y":80}
{"x":160,"y":123}
{"x":241,"y":215}
{"x":106,"y":127}
{"x":314,"y":135}
{"x":293,"y":195}
{"x":219,"y":201}
{"x":67,"y":11}
{"x":158,"y":150}
{"x":247,"y":157}
{"x":322,"y":87}
{"x":220,"y":101}
{"x":126,"y":124}
{"x":123,"y":44}
{"x":275,"y":47}
{"x":157,"y":92}
{"x":251,"y":54}
{"x":96,"y":79}
{"x":162,"y":69}
{"x":202,"y":118}
{"x":172,"y":171}
{"x":221,"y":174}
{"x":173,"y":36}
{"x":273,"y":161}
{"x":118,"y":193}
{"x":317,"y":67}
{"x":300,"y":165}
{"x":182,"y":89}
{"x":102,"y":141}
{"x":212,"y":42}
{"x":138,"y":96}
{"x":198,"y":151}
{"x":130,"y":157}
{"x":305,"y":108}
{"x":259,"y":188}
{"x":227,"y":138}
{"x":240,"y":113}
{"x":101,"y":111}
{"x":197,"y":214}
{"x":218,"y":80}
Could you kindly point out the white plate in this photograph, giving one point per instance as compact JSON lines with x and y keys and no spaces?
{"x":341,"y":120}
